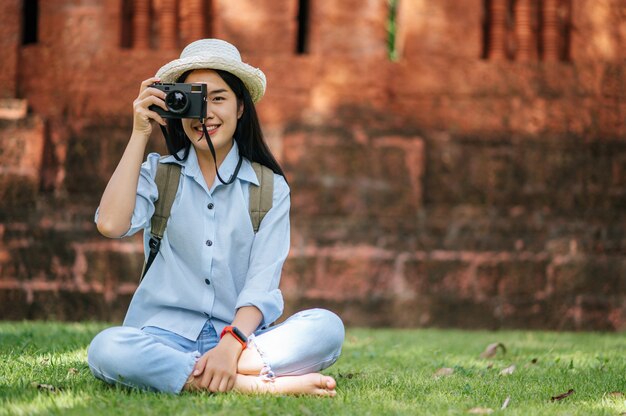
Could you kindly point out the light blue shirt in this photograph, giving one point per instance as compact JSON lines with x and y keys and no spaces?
{"x":210,"y":262}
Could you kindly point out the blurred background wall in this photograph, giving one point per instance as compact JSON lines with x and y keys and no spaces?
{"x":452,"y":162}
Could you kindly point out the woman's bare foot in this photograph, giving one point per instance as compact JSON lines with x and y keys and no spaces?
{"x":310,"y":384}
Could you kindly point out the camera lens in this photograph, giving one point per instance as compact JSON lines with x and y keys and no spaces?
{"x":177,"y":101}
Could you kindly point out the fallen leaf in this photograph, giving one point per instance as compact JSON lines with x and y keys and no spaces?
{"x":616,"y":394}
{"x":480,"y":410}
{"x":444,"y":372}
{"x":46,"y":387}
{"x":508,"y":371}
{"x":72,"y":371}
{"x":506,"y":403}
{"x":491,"y":350}
{"x":562,"y":396}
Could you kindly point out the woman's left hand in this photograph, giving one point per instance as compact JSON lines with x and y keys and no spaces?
{"x":216,"y":370}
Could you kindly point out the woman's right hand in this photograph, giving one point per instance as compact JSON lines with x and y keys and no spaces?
{"x":142,"y":114}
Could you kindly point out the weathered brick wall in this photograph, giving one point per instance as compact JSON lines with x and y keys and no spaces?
{"x":440,"y":189}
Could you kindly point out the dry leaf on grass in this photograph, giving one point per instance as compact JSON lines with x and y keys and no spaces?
{"x":46,"y":387}
{"x":480,"y":410}
{"x":616,"y":394}
{"x":492,"y":349}
{"x":444,"y":372}
{"x":507,"y":371}
{"x":506,"y":403}
{"x":72,"y":371}
{"x":562,"y":396}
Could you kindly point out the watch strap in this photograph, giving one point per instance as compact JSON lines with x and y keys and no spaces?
{"x":237,"y":334}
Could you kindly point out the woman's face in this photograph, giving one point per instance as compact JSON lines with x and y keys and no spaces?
{"x":223,"y":111}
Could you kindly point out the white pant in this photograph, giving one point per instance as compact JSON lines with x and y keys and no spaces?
{"x":155,"y":359}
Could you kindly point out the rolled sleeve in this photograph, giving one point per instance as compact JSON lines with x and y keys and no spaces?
{"x":147,"y":194}
{"x":268,"y":254}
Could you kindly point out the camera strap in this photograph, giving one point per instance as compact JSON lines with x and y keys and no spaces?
{"x":212,"y":149}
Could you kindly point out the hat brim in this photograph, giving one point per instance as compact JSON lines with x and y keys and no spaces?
{"x":252,"y":78}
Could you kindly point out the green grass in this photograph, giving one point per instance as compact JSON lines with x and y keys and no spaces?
{"x":381,"y":372}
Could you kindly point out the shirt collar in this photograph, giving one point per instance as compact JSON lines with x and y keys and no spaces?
{"x":226,"y":169}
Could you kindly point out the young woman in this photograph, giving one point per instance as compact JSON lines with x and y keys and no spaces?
{"x":200,"y":319}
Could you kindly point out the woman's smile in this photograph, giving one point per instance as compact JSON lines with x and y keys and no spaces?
{"x":210,"y":128}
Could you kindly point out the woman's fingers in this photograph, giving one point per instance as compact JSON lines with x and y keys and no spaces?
{"x":207,"y":378}
{"x":151,"y":115}
{"x":224,"y":383}
{"x":214,"y":386}
{"x":147,"y":82}
{"x":150,"y":91}
{"x":200,"y":366}
{"x":146,"y":101}
{"x":231,"y":383}
{"x":142,"y":108}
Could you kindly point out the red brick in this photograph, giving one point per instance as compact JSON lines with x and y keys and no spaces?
{"x":355,"y":277}
{"x":441,"y":278}
{"x":13,"y":304}
{"x":298,"y":272}
{"x":589,"y":275}
{"x":516,"y":279}
{"x":10,"y":43}
{"x":447,"y":28}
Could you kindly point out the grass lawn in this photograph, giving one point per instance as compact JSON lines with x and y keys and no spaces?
{"x":43,"y":370}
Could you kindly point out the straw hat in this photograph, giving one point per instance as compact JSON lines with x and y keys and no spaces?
{"x":215,"y":54}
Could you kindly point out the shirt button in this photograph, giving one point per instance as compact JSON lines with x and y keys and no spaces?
{"x":207,"y":281}
{"x":209,"y":243}
{"x":210,"y":206}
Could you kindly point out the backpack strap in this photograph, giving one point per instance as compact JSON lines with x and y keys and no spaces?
{"x":262,"y":196}
{"x":167,"y":180}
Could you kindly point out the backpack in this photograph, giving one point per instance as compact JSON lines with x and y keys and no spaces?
{"x":167,"y":179}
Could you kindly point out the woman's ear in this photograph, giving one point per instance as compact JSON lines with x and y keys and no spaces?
{"x":240,"y":111}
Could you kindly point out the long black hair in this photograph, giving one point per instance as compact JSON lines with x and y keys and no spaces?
{"x":248,"y":134}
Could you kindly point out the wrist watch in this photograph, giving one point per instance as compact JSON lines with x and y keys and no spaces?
{"x":237,"y":334}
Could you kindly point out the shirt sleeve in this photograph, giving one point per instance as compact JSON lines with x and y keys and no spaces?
{"x":147,"y":193}
{"x":269,"y":252}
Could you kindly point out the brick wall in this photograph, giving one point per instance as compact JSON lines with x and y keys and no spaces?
{"x":441,"y":189}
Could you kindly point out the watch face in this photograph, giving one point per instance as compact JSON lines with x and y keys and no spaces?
{"x":240,"y":334}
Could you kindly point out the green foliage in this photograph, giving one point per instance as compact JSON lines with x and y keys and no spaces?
{"x":43,"y":371}
{"x":391,"y":30}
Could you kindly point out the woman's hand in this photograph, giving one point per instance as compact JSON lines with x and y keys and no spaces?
{"x":217,"y":368}
{"x":142,"y":114}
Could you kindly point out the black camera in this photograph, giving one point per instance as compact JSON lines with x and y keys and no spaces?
{"x":182,"y":100}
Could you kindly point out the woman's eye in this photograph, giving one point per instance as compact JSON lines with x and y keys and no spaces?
{"x":218,"y":98}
